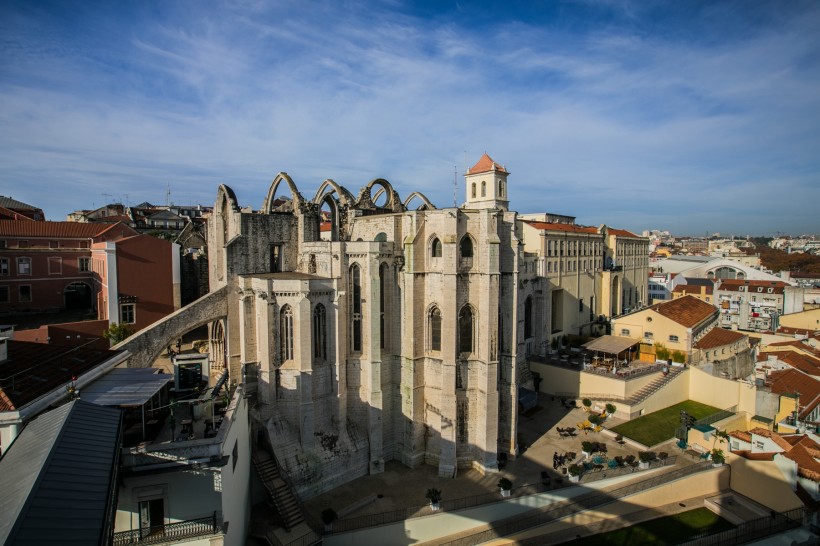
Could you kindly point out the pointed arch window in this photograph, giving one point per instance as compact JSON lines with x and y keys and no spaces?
{"x":435,"y":248}
{"x":382,"y":299}
{"x":483,"y":189}
{"x":528,"y":317}
{"x":286,"y":333}
{"x":465,"y":330}
{"x":466,"y":247}
{"x":435,"y":329}
{"x":319,"y":332}
{"x":473,"y":193}
{"x":355,"y":308}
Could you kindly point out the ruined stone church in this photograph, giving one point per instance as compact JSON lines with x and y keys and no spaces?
{"x":382,"y":329}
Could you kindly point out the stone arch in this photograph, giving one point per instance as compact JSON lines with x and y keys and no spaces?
{"x":466,"y":247}
{"x":218,"y":347}
{"x":77,"y":295}
{"x":298,"y":200}
{"x":365,"y":200}
{"x":467,"y":320}
{"x":226,"y":205}
{"x":426,"y":204}
{"x":335,"y":214}
{"x":344,"y":197}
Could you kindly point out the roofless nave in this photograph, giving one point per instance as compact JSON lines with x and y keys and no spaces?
{"x":401,"y":334}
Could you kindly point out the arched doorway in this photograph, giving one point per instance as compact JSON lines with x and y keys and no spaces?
{"x":77,"y":296}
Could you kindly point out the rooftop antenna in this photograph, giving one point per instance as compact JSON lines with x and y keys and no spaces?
{"x":168,"y":195}
{"x":108,"y":198}
{"x":455,"y":186}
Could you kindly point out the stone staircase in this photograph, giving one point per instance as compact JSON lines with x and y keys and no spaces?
{"x":654,"y":386}
{"x":281,"y":494}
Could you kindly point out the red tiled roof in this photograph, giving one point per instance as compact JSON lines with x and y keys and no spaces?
{"x":486,"y":164}
{"x":621,"y":232}
{"x":741,"y":435}
{"x":791,"y":331}
{"x":718,"y":337}
{"x":77,"y":230}
{"x":692,"y":289}
{"x":797,"y":344}
{"x":794,"y":382}
{"x":38,"y":369}
{"x":804,"y":363}
{"x":732,"y":285}
{"x":775,"y":437}
{"x":807,"y":466}
{"x":554,"y":226}
{"x":686,"y":311}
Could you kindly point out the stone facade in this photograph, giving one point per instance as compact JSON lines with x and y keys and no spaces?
{"x":392,"y":333}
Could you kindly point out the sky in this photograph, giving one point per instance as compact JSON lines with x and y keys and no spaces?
{"x":689,"y":116}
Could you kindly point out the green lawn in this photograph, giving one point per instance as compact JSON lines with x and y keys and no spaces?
{"x":668,"y":530}
{"x":661,"y":425}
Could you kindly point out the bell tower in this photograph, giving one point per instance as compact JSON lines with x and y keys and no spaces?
{"x":486,"y":185}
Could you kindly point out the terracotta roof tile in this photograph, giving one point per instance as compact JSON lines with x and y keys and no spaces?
{"x":718,"y":337}
{"x":550,"y":226}
{"x":741,"y":435}
{"x":22,"y":228}
{"x":622,"y":233}
{"x":775,"y":437}
{"x":686,"y":311}
{"x":805,"y":363}
{"x":807,"y":466}
{"x":733,"y":285}
{"x":793,"y":382}
{"x":38,"y":369}
{"x":691,"y":289}
{"x":486,"y":164}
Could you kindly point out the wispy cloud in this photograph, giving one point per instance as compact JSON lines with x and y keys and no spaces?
{"x":618,"y":113}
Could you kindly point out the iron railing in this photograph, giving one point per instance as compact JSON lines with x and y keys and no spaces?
{"x":558,"y":510}
{"x":715,"y":417}
{"x":170,"y":532}
{"x":751,"y":530}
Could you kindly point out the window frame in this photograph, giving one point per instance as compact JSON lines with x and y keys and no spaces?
{"x":124,"y":311}
{"x":21,"y":260}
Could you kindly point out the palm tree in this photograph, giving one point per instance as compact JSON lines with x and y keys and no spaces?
{"x":721,"y":435}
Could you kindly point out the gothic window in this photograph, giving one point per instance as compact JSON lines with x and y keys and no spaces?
{"x":483,"y":189}
{"x":473,"y":190}
{"x":501,"y":189}
{"x":465,"y":330}
{"x":319,"y":332}
{"x":435,"y":248}
{"x":435,"y":329}
{"x":528,"y":317}
{"x":382,"y":297}
{"x":355,"y":308}
{"x":466,"y":247}
{"x":286,"y":333}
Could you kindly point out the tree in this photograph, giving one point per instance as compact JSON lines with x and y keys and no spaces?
{"x":116,"y":333}
{"x":661,"y":352}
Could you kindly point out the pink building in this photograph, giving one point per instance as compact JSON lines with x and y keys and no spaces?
{"x":124,"y":277}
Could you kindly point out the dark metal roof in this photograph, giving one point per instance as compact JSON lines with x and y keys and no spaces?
{"x":14,"y":204}
{"x":58,"y":477}
{"x":125,"y":387}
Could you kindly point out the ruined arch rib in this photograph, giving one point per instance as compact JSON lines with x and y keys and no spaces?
{"x":224,"y":194}
{"x":365,"y":200}
{"x":345,"y":198}
{"x":298,"y":200}
{"x":426,"y":202}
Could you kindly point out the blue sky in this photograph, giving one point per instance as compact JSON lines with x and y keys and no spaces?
{"x":686,"y":116}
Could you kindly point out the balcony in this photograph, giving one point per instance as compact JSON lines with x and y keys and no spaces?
{"x":170,"y":532}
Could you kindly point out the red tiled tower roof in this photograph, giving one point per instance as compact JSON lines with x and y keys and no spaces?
{"x":486,"y":164}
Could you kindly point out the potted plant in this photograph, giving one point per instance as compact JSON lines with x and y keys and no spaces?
{"x":328,"y":517}
{"x":718,"y":458}
{"x":575,"y":473}
{"x":586,"y":448}
{"x":596,"y":420}
{"x":587,"y":403}
{"x":434,"y":496}
{"x":505,"y":485}
{"x":646,"y":457}
{"x":611,"y":409}
{"x":662,"y":456}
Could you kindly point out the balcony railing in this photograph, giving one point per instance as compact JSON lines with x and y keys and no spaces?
{"x":170,"y":532}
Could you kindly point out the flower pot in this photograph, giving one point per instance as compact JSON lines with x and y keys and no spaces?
{"x":435,"y":506}
{"x":586,"y":454}
{"x":643,"y":465}
{"x":575,"y":479}
{"x":714,"y":464}
{"x":505,"y":492}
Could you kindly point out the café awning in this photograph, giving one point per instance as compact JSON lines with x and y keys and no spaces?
{"x":610,"y":344}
